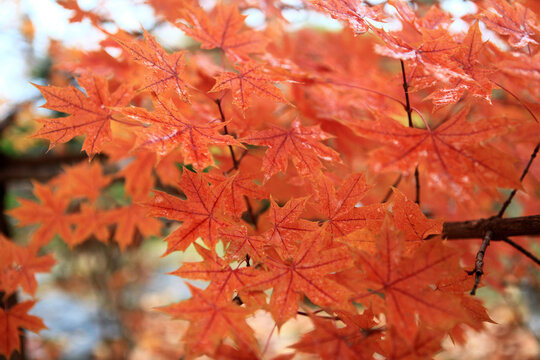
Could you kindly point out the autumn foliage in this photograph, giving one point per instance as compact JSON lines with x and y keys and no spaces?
{"x":312,"y":171}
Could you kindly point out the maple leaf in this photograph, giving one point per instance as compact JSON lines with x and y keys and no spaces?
{"x":240,"y":244}
{"x":128,"y":220}
{"x":301,"y":144}
{"x":454,"y":149}
{"x":89,"y":221}
{"x":403,"y":285}
{"x":287,"y":226}
{"x":19,"y":264}
{"x":466,"y":57}
{"x":78,"y":14}
{"x":409,"y":218}
{"x":200,"y":214}
{"x":224,"y":32}
{"x":90,"y":114}
{"x":240,"y":186}
{"x":170,"y":129}
{"x":224,"y":280}
{"x":513,"y":20}
{"x":353,"y":341}
{"x":50,"y":212}
{"x":250,"y":80}
{"x":355,"y":12}
{"x":426,"y":343}
{"x":340,"y":209}
{"x":166,"y":69}
{"x":11,"y":320}
{"x":84,"y":180}
{"x":303,"y":271}
{"x":212,"y":320}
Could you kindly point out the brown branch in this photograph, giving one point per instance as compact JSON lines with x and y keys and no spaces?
{"x":478,"y":270}
{"x":40,"y":167}
{"x":501,"y":228}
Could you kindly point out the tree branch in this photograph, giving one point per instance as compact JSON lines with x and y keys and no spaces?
{"x":501,"y":228}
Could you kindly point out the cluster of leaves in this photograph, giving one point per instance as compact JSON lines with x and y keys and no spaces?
{"x":311,"y":237}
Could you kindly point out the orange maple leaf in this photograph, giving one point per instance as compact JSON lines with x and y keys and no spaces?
{"x":200,"y":213}
{"x":91,"y":114}
{"x":402,"y":287}
{"x":303,"y":271}
{"x":171,"y":128}
{"x":224,"y":31}
{"x":224,"y":280}
{"x":512,"y":20}
{"x":11,"y":321}
{"x":250,"y":80}
{"x":341,"y":210}
{"x":301,"y":144}
{"x":454,"y":150}
{"x":166,"y":69}
{"x":128,"y":220}
{"x":355,"y":12}
{"x":18,"y":266}
{"x":212,"y":320}
{"x":50,"y":212}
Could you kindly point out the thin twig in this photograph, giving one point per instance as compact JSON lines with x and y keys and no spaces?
{"x":226,"y":131}
{"x":417,"y":182}
{"x":320,"y":317}
{"x":479,"y":264}
{"x":522,"y":250}
{"x":409,"y":110}
{"x":525,"y":171}
{"x":389,"y":193}
{"x":406,"y":89}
